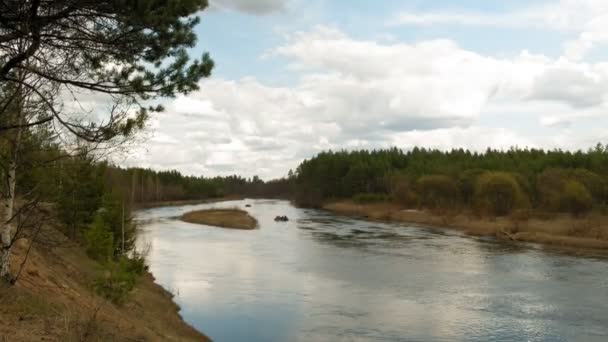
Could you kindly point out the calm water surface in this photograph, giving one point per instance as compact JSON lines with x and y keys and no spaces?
{"x":322,"y":277}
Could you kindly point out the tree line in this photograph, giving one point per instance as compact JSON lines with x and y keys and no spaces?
{"x":56,"y":56}
{"x":494,"y":182}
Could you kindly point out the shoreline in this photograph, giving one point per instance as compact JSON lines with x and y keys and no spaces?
{"x":563,"y":231}
{"x":53,"y":299}
{"x":177,"y":203}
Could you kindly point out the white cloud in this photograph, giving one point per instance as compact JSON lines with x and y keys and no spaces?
{"x":586,"y":18}
{"x":256,"y":7}
{"x":581,"y":86}
{"x":364,"y":94}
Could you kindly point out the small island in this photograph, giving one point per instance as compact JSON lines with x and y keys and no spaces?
{"x":225,"y":218}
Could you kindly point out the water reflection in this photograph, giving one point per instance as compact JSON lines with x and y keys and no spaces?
{"x":325,"y":278}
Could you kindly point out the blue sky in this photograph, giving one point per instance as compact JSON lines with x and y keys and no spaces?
{"x":296,"y":77}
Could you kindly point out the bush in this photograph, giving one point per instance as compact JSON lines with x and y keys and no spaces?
{"x":595,"y":184}
{"x":550,"y":184}
{"x":466,"y":183}
{"x":499,"y":193}
{"x":437,"y":191}
{"x":119,"y":278}
{"x":576,"y":199}
{"x":371,"y":198}
{"x":402,"y":191}
{"x":569,"y":190}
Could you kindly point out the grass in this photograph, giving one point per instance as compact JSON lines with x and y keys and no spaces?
{"x":225,"y":218}
{"x":587,"y":232}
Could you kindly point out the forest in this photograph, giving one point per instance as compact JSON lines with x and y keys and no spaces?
{"x":494,"y":182}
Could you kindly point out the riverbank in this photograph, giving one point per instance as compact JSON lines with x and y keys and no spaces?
{"x":225,"y":218}
{"x":53,"y":299}
{"x":590,"y":232}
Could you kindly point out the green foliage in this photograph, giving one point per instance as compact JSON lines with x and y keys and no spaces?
{"x":498,"y":193}
{"x":80,"y":187}
{"x":467,"y":182}
{"x":576,"y":199}
{"x":549,"y":185}
{"x":367,"y":197}
{"x":437,"y":191}
{"x":309,"y":196}
{"x":116,"y":217}
{"x":594,"y":183}
{"x":104,"y":239}
{"x":540,"y":175}
{"x":147,"y":39}
{"x":139,"y":185}
{"x":118,"y":279}
{"x":99,"y":240}
{"x":553,"y":182}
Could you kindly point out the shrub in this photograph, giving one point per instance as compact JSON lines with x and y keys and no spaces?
{"x":402,"y":192}
{"x":466,"y":183}
{"x":595,"y":184}
{"x":567,"y":190}
{"x":499,"y":193}
{"x":371,"y":197}
{"x":575,"y":198}
{"x":437,"y":191}
{"x":119,"y":278}
{"x":550,"y":184}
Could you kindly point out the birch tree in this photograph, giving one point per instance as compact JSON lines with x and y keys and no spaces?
{"x":60,"y":53}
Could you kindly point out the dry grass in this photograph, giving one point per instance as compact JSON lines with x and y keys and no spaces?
{"x":553,"y":229}
{"x":53,"y":300}
{"x":225,"y":218}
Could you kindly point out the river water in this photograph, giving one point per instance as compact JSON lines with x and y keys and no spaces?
{"x":321,"y":277}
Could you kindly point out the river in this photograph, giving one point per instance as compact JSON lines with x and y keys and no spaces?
{"x":321,"y":277}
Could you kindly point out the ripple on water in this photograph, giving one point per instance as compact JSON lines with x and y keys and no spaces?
{"x":325,"y":278}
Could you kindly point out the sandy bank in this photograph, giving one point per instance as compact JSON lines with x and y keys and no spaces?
{"x":589,"y":232}
{"x":225,"y":218}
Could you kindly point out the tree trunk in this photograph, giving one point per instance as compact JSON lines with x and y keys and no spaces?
{"x":8,"y":201}
{"x":6,"y":230}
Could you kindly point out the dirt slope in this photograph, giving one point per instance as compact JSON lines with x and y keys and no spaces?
{"x":52,"y":300}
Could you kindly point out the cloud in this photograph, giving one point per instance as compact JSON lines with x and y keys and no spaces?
{"x":579,"y":86}
{"x":353,"y":93}
{"x":256,"y":7}
{"x":588,"y":19}
{"x":461,"y":18}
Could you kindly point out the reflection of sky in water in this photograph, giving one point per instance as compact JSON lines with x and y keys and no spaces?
{"x":325,"y":278}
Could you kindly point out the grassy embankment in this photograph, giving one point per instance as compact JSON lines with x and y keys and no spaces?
{"x":225,"y":218}
{"x":590,"y":231}
{"x":53,"y":299}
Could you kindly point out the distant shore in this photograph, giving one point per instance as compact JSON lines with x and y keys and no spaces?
{"x":158,"y":204}
{"x":589,"y":232}
{"x":225,"y":218}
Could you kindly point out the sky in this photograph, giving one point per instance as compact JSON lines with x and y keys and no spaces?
{"x":297,"y":77}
